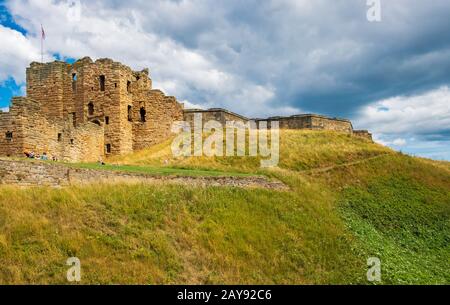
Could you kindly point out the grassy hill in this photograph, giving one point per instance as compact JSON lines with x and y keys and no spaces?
{"x":349,"y":199}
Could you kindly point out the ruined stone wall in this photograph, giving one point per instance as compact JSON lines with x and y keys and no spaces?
{"x":125,"y":135}
{"x":84,"y":143}
{"x":311,"y":121}
{"x":298,"y":122}
{"x":363,"y":134}
{"x":160,"y":113}
{"x":87,"y":109}
{"x":214,"y":114}
{"x":47,"y":84}
{"x":341,"y":125}
{"x":108,"y":94}
{"x":33,"y":132}
{"x":12,"y":122}
{"x":33,"y":173}
{"x":99,"y":92}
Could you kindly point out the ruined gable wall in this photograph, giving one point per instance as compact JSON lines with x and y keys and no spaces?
{"x":161,"y":112}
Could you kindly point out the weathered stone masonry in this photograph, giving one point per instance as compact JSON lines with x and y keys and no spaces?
{"x":56,"y":175}
{"x":86,"y":110}
{"x":301,"y":121}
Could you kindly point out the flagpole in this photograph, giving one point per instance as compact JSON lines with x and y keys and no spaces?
{"x":42,"y":50}
{"x":42,"y":44}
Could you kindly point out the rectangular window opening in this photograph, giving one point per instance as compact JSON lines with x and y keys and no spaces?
{"x":74,"y":82}
{"x":102,"y":82}
{"x":130,"y":117}
{"x":74,"y":119}
{"x":9,"y":136}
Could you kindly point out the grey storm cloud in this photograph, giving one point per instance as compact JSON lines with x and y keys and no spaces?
{"x":316,"y":56}
{"x":273,"y":57}
{"x":263,"y":58}
{"x":320,"y":56}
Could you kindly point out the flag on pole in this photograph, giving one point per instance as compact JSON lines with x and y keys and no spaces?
{"x":42,"y":32}
{"x":42,"y":43}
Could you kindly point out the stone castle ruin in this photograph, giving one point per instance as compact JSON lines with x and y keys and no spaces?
{"x":89,"y":110}
{"x":86,"y":110}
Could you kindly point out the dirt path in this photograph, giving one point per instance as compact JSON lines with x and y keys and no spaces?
{"x":329,"y":168}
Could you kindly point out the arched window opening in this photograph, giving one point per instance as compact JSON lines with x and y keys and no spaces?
{"x":128,"y":86}
{"x":142,"y":113}
{"x":91,"y":108}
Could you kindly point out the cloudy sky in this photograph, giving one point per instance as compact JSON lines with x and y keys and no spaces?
{"x":260,"y":58}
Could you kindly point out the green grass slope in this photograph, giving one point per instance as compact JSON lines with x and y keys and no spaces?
{"x":349,"y":199}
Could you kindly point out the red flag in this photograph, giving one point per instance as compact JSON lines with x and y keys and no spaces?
{"x":43,"y":33}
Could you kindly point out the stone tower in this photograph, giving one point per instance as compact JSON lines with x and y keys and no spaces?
{"x":72,"y":100}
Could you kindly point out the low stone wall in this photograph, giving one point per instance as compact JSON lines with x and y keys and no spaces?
{"x":363,"y":134}
{"x":214,"y":114}
{"x":30,"y":173}
{"x":310,"y":121}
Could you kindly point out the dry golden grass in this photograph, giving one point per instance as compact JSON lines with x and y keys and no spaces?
{"x":299,"y":150}
{"x":317,"y":232}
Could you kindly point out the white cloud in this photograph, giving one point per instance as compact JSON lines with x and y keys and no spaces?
{"x":399,"y":142}
{"x":5,"y":109}
{"x":417,"y":124}
{"x":278,"y":58}
{"x":189,"y":105}
{"x":426,"y":113}
{"x":104,"y":31}
{"x":16,"y":53}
